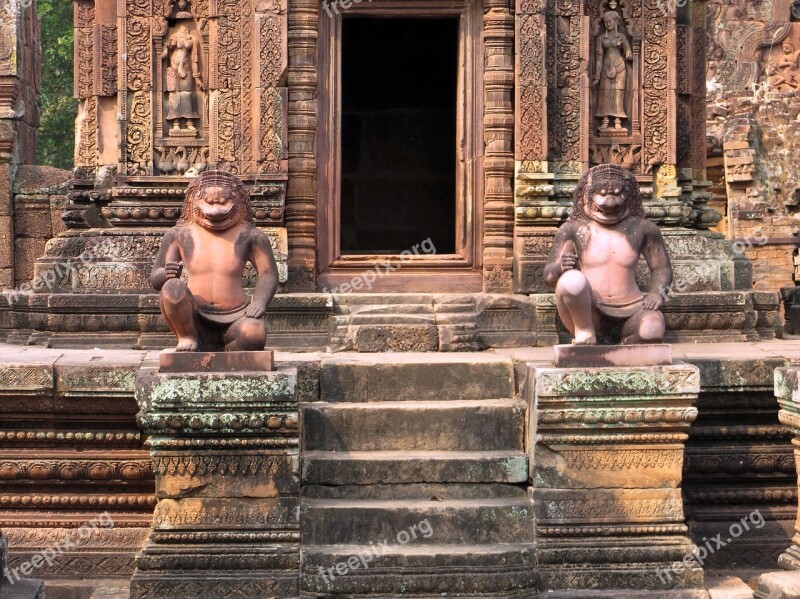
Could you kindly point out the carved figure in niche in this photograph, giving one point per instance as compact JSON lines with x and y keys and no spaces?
{"x":612,"y":54}
{"x":183,"y":78}
{"x":784,"y":74}
{"x":215,"y":238}
{"x":183,"y":9}
{"x":592,"y":264}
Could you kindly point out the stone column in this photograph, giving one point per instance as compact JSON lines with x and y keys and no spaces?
{"x":19,"y":82}
{"x":226,"y":462}
{"x":606,"y":466}
{"x":787,"y":390}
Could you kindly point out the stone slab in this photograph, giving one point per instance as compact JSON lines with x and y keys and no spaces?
{"x":416,"y":377}
{"x":778,"y":585}
{"x":171,"y":361}
{"x":397,"y":467}
{"x":727,"y":587}
{"x":595,"y":356}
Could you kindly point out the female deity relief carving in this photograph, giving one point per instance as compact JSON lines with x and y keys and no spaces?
{"x":784,"y":73}
{"x":611,"y":79}
{"x":182,"y":53}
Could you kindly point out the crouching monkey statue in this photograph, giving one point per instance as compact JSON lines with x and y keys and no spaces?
{"x":214,"y":239}
{"x":593,"y":263}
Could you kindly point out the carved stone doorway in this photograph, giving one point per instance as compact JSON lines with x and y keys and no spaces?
{"x":400,"y":145}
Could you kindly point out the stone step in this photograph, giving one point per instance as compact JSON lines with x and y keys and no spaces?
{"x":727,"y":587}
{"x":426,"y":491}
{"x":365,"y":570}
{"x":489,"y":425}
{"x":415,"y":377}
{"x":374,"y":467}
{"x":417,"y":521}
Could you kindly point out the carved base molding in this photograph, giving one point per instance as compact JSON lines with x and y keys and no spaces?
{"x":373,"y":322}
{"x":12,"y":584}
{"x":787,"y":390}
{"x":606,"y":470}
{"x":739,"y":463}
{"x":73,"y":471}
{"x":225,"y":449}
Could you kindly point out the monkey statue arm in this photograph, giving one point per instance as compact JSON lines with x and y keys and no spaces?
{"x":267,"y":282}
{"x":655,"y":253}
{"x":168,"y":264}
{"x":563,"y":255}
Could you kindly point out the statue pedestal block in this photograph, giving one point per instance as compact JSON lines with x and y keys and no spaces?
{"x":225,"y":453}
{"x":787,"y":390}
{"x":595,"y":356}
{"x":235,"y":361}
{"x":606,"y":470}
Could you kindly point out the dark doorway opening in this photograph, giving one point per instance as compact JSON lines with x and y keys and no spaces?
{"x":399,"y":89}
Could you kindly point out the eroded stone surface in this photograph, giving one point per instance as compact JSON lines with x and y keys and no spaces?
{"x":226,"y":463}
{"x":778,"y":585}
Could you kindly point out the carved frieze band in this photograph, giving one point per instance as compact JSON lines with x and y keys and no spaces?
{"x":662,"y":382}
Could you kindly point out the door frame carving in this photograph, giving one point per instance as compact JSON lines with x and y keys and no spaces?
{"x":458,"y":272}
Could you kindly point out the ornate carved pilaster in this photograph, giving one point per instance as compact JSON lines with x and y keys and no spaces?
{"x":568,"y":118}
{"x":273,"y":100}
{"x":302,"y":121}
{"x":137,"y":153}
{"x":658,"y":83}
{"x":499,"y":152}
{"x":703,"y":217}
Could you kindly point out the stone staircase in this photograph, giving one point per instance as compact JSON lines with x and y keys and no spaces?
{"x":415,"y":476}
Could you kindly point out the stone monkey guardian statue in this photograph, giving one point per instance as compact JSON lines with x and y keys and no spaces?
{"x":215,"y":238}
{"x":592,"y":264}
